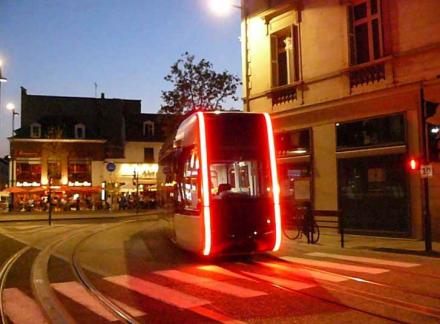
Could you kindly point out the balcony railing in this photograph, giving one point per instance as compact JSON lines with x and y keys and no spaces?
{"x":283,"y":94}
{"x":366,"y":73}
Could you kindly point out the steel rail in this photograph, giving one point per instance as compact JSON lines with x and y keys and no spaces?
{"x":368,"y":281}
{"x":6,"y":267}
{"x":416,"y":308}
{"x":87,"y":284}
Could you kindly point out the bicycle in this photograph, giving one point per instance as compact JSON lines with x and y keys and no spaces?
{"x":302,"y":223}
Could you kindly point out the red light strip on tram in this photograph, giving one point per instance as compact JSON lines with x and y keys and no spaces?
{"x":205,"y":184}
{"x":275,"y":185}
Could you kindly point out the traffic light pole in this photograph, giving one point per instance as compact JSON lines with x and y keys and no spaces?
{"x":425,"y":183}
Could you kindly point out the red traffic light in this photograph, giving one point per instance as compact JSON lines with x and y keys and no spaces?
{"x":413,"y":164}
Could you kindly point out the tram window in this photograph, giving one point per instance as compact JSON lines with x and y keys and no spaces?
{"x":236,"y":177}
{"x":189,"y":185}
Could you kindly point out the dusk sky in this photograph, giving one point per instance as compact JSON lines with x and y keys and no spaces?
{"x":62,"y":47}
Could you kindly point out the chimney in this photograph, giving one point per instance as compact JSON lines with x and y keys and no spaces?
{"x":102,"y":95}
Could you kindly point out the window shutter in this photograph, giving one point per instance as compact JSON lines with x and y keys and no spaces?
{"x":351,"y":37}
{"x":274,"y":59}
{"x":295,"y":53}
{"x":386,"y":27}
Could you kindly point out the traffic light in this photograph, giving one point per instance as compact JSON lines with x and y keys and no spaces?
{"x":413,"y":164}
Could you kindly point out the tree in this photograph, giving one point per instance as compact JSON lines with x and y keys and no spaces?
{"x":197,"y":87}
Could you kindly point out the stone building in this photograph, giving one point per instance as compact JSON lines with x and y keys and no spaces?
{"x":346,"y":83}
{"x":85,"y":150}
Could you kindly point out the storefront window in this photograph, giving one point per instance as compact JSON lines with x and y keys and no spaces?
{"x":28,"y":172}
{"x":373,"y":194}
{"x":79,"y":171}
{"x":384,"y":131}
{"x":293,"y":143}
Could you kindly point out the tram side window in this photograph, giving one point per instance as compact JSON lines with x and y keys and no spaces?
{"x":190,"y":187}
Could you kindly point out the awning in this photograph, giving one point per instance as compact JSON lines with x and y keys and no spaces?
{"x":90,"y":189}
{"x":16,"y":190}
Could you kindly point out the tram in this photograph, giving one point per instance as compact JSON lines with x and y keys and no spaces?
{"x":218,"y":185}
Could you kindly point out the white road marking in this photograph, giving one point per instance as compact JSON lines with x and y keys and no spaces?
{"x":306,"y":273}
{"x":287,"y":283}
{"x":22,"y":309}
{"x":79,"y":294}
{"x":155,"y":291}
{"x":334,"y":265}
{"x":364,"y":260}
{"x":211,"y":284}
{"x":223,"y":271}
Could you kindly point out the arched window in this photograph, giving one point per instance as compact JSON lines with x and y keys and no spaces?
{"x":35,"y":130}
{"x":148,"y":129}
{"x":80,"y":131}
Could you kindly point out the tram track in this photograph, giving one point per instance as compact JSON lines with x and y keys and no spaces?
{"x":432,"y":312}
{"x":4,"y":271}
{"x":91,"y":289}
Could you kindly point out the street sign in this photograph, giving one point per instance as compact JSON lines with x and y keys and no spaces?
{"x":110,"y":167}
{"x":426,"y":171}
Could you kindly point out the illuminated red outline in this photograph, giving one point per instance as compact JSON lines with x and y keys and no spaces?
{"x":275,"y":185}
{"x":205,"y":184}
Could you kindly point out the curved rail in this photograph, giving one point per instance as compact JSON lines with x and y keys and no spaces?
{"x":86,"y":283}
{"x":6,"y":267}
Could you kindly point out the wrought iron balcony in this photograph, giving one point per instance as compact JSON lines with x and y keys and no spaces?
{"x":366,"y":73}
{"x":283,"y":94}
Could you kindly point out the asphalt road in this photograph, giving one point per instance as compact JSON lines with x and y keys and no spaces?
{"x":129,"y":271}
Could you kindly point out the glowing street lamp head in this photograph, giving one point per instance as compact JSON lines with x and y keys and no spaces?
{"x":221,"y":7}
{"x":10,"y":106}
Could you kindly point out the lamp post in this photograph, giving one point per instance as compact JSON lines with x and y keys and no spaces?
{"x":2,"y":80}
{"x":136,"y":183}
{"x":222,"y":8}
{"x":10,"y":106}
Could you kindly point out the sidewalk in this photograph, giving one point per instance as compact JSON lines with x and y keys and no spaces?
{"x":372,"y":243}
{"x":7,"y":217}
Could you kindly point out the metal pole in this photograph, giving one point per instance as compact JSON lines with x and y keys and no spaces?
{"x":137,"y":193}
{"x":425,"y":184}
{"x":49,"y":198}
{"x":246,"y":56}
{"x":13,"y":121}
{"x":12,"y":157}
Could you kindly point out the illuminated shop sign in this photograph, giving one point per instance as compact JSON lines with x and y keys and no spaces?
{"x":79,"y":184}
{"x":143,"y":170}
{"x":28,"y":184}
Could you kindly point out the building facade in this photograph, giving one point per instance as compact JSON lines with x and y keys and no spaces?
{"x":347,"y":84}
{"x":84,"y":152}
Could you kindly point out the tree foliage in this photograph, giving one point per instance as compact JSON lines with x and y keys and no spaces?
{"x":197,"y":87}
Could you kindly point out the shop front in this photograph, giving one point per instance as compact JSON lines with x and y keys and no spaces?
{"x":294,"y":157}
{"x":372,"y":176}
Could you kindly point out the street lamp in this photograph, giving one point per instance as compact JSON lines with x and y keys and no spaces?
{"x":2,"y":80}
{"x":10,"y":106}
{"x":222,"y":8}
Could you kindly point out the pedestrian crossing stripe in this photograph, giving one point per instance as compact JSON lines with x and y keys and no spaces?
{"x":364,"y":260}
{"x":16,"y":301}
{"x":306,"y":273}
{"x":334,"y":265}
{"x":212,"y":284}
{"x":76,"y":292}
{"x":287,"y":283}
{"x":223,"y":271}
{"x":158,"y":292}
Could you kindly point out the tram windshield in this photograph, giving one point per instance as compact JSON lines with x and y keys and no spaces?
{"x":238,"y":156}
